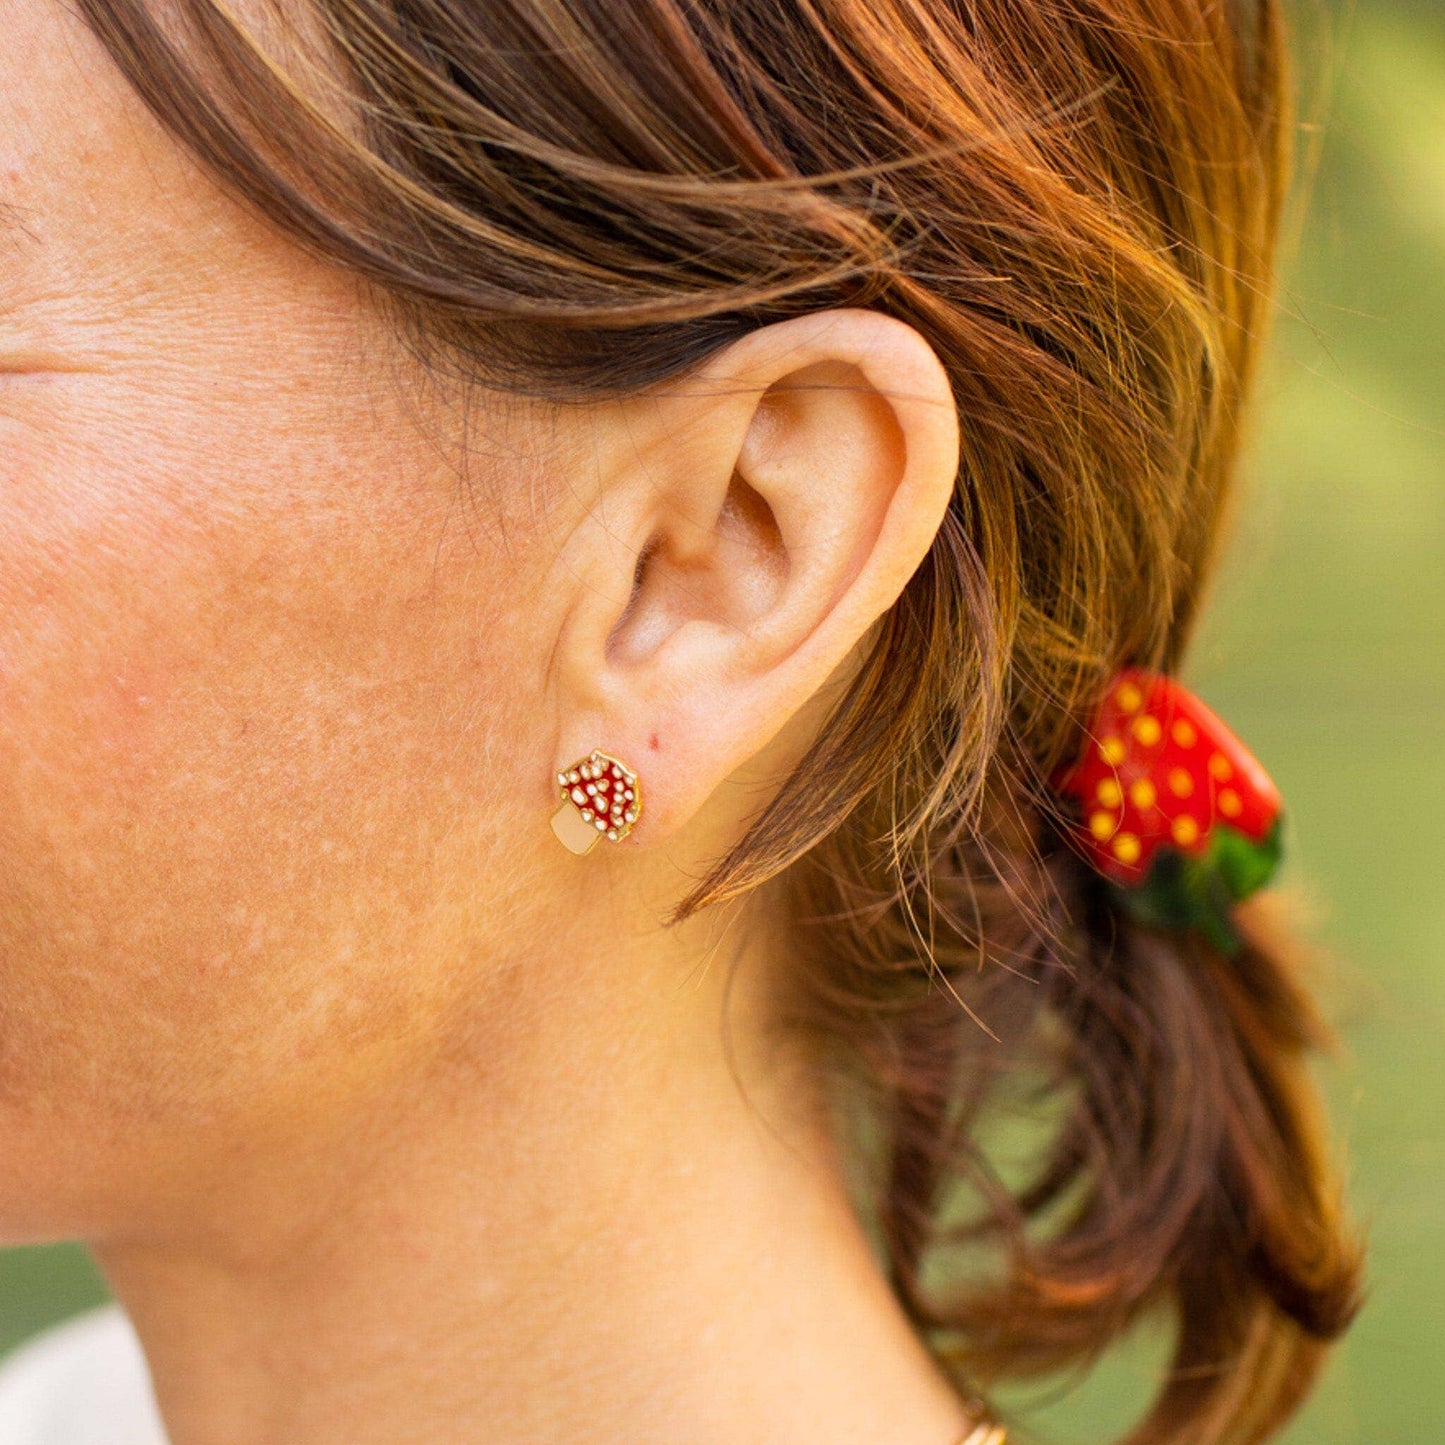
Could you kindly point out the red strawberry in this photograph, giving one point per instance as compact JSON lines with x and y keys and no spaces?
{"x":1173,"y":805}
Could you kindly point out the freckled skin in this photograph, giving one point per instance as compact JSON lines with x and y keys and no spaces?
{"x":238,"y":631}
{"x":385,"y":1117}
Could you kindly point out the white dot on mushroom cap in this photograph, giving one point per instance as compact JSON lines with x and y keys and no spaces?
{"x":578,"y":796}
{"x":601,"y":824}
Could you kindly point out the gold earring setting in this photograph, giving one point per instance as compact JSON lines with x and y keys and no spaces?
{"x":601,"y":798}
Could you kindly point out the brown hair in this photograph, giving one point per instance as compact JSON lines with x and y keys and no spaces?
{"x":1077,"y":204}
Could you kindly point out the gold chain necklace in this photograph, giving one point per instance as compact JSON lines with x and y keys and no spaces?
{"x":984,"y":1434}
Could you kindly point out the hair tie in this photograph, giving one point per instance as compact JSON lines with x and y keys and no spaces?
{"x":1174,"y":811}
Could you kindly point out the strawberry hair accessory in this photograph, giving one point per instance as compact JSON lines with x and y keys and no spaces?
{"x":1173,"y":809}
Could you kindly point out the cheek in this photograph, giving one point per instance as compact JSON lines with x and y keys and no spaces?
{"x":227,"y":777}
{"x":108,"y":590}
{"x":95,"y":588}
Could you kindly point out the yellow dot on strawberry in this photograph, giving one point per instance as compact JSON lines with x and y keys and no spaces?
{"x":1220,"y":768}
{"x":1128,"y":696}
{"x":1184,"y":830}
{"x":1126,"y":848}
{"x":1111,"y":749}
{"x":1101,"y":825}
{"x":1148,"y":730}
{"x":1183,"y":732}
{"x":1109,"y":793}
{"x":1142,"y":793}
{"x":1229,"y":803}
{"x":1180,"y":783}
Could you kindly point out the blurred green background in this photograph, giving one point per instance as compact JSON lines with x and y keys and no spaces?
{"x":1325,"y":649}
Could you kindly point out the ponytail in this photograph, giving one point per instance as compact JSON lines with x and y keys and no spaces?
{"x":1184,"y":1177}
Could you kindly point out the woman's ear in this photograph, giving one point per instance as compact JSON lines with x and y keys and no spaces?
{"x":752,"y":522}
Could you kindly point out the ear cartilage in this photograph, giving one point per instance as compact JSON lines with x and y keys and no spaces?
{"x":601,"y":798}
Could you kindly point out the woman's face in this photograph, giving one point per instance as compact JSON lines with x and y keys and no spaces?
{"x":259,"y":641}
{"x":290,"y":655}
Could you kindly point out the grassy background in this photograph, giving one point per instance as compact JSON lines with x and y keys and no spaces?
{"x":1325,"y":649}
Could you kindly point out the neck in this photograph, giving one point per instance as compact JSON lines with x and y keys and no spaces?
{"x":584,"y":1226}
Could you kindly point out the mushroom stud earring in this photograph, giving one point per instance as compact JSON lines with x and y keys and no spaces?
{"x":601,"y":798}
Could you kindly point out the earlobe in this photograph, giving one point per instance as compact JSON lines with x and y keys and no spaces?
{"x":783,"y":495}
